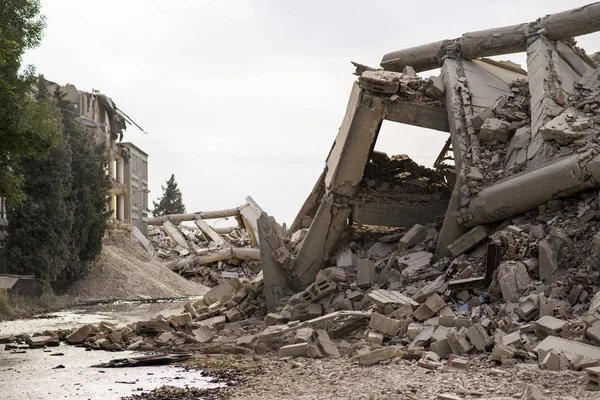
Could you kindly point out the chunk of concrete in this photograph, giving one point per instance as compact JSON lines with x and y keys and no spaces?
{"x":428,"y":309}
{"x":365,"y":271}
{"x":513,"y":279}
{"x":548,"y":263}
{"x":479,"y":337}
{"x":415,"y":235}
{"x":494,"y":129}
{"x":378,"y":355}
{"x":273,"y":319}
{"x":468,"y":241}
{"x":385,"y":325}
{"x":549,"y":325}
{"x":320,"y":345}
{"x":570,"y":348}
{"x":79,"y":335}
{"x":294,"y":350}
{"x":204,"y":334}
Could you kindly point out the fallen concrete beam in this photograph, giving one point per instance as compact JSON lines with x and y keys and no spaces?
{"x":177,"y":218}
{"x":174,"y":234}
{"x":418,"y":114}
{"x":209,"y":232}
{"x":493,"y":42}
{"x":227,"y":253}
{"x":530,"y":189}
{"x":396,"y":215}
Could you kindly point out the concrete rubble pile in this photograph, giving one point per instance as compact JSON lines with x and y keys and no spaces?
{"x":203,"y":253}
{"x":490,"y":258}
{"x":199,"y":322}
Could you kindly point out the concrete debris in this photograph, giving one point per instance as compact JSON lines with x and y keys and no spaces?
{"x":495,"y":254}
{"x":207,"y":254}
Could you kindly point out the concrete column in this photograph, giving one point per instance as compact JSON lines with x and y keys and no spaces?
{"x":121,"y":208}
{"x":451,"y":229}
{"x":113,"y":205}
{"x":120,"y":170}
{"x":544,"y":82}
{"x":345,"y":170}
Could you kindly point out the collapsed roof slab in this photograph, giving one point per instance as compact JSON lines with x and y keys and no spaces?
{"x":423,"y":115}
{"x":498,"y":41}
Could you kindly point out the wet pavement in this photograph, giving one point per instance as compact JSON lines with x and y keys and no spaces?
{"x":120,"y":313}
{"x":32,"y":373}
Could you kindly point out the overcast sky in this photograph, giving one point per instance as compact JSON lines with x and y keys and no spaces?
{"x":245,"y":97}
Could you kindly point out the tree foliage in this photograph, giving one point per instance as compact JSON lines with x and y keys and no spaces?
{"x":171,"y":201}
{"x":27,"y":128}
{"x":57,"y":229}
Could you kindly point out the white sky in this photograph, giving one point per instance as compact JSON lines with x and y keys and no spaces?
{"x":245,"y":97}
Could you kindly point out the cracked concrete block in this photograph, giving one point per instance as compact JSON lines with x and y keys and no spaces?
{"x":385,"y":325}
{"x":479,"y":337}
{"x":428,"y":309}
{"x":375,"y":338}
{"x":513,"y":279}
{"x":468,"y":241}
{"x":294,"y":350}
{"x":365,"y":271}
{"x":376,"y":356}
{"x":441,"y":347}
{"x":79,"y":335}
{"x":320,"y":345}
{"x":501,"y":352}
{"x":494,"y":129}
{"x":593,"y":332}
{"x":415,"y":235}
{"x":593,"y":378}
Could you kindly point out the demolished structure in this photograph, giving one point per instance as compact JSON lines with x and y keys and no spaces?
{"x":497,"y":254}
{"x":203,"y":253}
{"x":127,"y":163}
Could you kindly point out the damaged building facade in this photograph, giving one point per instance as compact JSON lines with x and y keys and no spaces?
{"x":127,"y":163}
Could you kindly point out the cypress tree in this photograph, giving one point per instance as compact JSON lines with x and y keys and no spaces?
{"x":171,"y":201}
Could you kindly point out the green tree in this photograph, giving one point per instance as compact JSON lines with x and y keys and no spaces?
{"x":58,"y":228}
{"x":41,"y":224}
{"x":171,"y":201}
{"x":88,"y":198}
{"x":27,"y":128}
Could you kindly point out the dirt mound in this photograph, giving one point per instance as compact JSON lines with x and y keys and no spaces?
{"x":124,"y":271}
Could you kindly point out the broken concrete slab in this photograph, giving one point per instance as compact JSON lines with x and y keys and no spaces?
{"x":468,"y":241}
{"x":570,"y":348}
{"x":415,"y":235}
{"x":378,"y":355}
{"x":385,"y":325}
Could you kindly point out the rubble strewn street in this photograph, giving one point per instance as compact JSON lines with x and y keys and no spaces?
{"x":476,"y":278}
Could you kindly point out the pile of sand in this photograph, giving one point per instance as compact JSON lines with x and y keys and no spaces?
{"x":124,"y":271}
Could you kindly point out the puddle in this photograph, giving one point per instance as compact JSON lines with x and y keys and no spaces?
{"x":31,"y":375}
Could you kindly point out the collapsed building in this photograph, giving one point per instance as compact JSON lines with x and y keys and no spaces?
{"x":496,"y":253}
{"x":518,"y":139}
